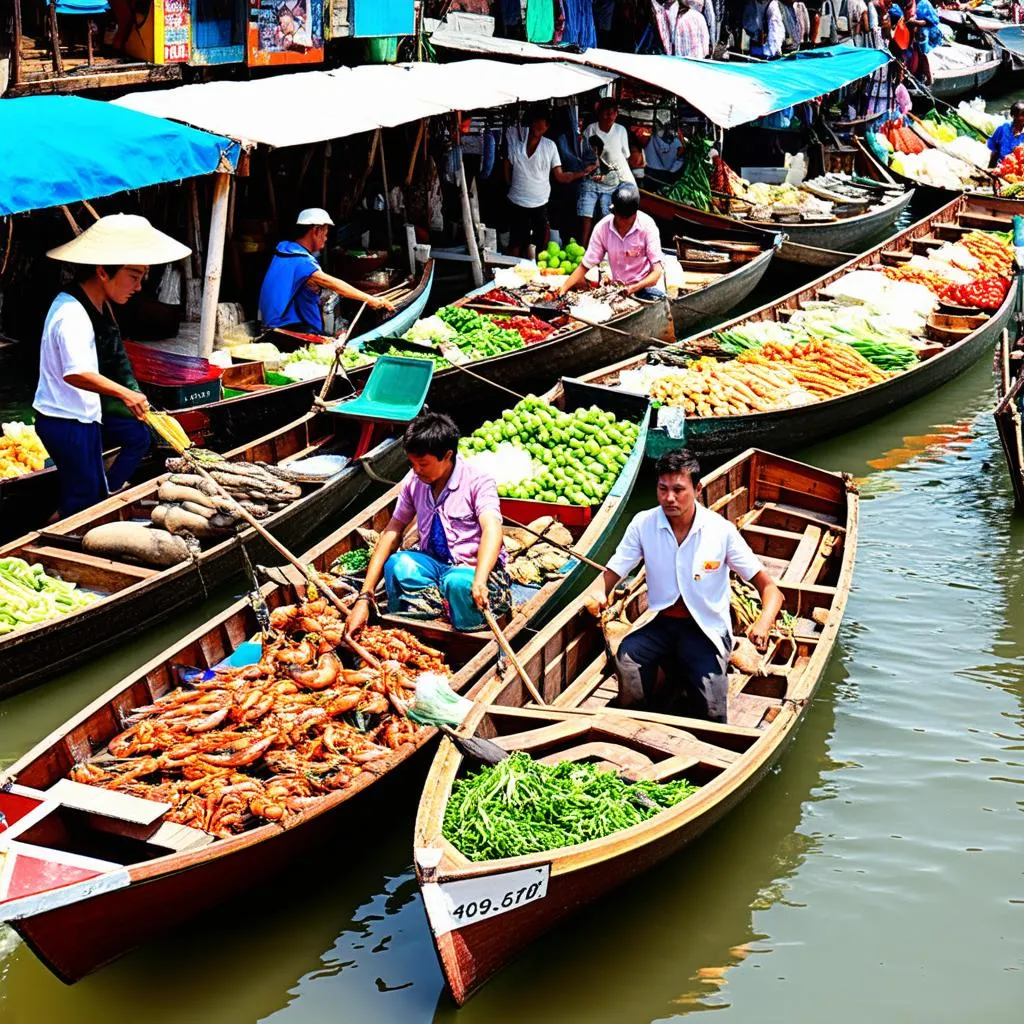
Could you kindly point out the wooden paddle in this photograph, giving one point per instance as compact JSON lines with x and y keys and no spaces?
{"x":506,"y":649}
{"x":336,"y":364}
{"x":554,"y":543}
{"x":307,"y":571}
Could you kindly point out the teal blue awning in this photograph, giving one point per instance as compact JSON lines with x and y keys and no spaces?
{"x":62,"y":149}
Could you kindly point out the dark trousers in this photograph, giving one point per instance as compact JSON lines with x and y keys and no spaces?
{"x":694,"y":669}
{"x":529,"y":226}
{"x":77,"y":451}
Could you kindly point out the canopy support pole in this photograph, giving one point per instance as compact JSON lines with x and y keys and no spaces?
{"x":387,"y":192}
{"x":214,"y":263}
{"x":467,"y":220}
{"x":16,"y":45}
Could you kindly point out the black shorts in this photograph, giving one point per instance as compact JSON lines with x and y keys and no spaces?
{"x":528,"y":226}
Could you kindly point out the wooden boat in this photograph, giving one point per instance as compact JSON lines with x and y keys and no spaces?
{"x":983,"y":23}
{"x":1010,"y":39}
{"x":789,"y":429}
{"x":149,"y":878}
{"x":254,"y":408}
{"x":134,"y":596}
{"x":821,"y":244}
{"x":483,"y":913}
{"x":1009,"y":373}
{"x":717,"y":290}
{"x":954,"y":83}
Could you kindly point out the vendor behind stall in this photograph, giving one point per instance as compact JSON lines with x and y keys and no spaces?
{"x":630,"y":240}
{"x":290,"y":296}
{"x":87,"y":398}
{"x":1008,"y":136}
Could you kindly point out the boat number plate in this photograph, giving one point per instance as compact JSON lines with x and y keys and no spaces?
{"x":453,"y":905}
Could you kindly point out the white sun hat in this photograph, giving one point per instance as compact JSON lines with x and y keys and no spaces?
{"x":121,"y":238}
{"x":313,"y":217}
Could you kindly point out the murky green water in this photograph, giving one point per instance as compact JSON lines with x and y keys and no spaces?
{"x":877,"y":874}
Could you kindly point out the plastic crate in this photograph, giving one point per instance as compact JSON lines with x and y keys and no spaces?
{"x":182,"y":396}
{"x":526,"y":511}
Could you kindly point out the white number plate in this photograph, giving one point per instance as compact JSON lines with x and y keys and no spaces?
{"x":453,"y":905}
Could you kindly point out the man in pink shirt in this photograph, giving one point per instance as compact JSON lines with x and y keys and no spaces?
{"x":632,"y":244}
{"x":458,"y":569}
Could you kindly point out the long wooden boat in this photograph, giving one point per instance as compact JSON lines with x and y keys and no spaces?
{"x":789,"y":429}
{"x":135,"y":596}
{"x":954,"y":83}
{"x":1009,"y":373}
{"x":146,"y":879}
{"x":252,"y":411}
{"x":823,"y":244}
{"x":483,"y":913}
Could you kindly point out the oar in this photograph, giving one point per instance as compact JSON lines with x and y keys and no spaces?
{"x":184,"y":449}
{"x":339,"y":347}
{"x":506,"y":649}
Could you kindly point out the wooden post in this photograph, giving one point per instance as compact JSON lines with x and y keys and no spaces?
{"x":214,"y":263}
{"x":326,"y":175}
{"x":467,"y":223}
{"x":16,"y":46}
{"x":58,"y":64}
{"x":271,"y":195}
{"x":387,"y":191}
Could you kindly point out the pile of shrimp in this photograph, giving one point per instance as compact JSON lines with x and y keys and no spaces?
{"x":237,"y":747}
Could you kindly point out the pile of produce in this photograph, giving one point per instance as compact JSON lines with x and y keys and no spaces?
{"x":710,"y":388}
{"x":191,"y":509}
{"x":1011,"y":170}
{"x":28,"y":595}
{"x":984,"y":293}
{"x":900,"y":148}
{"x":822,"y":368}
{"x":478,"y":336}
{"x":21,"y":451}
{"x":530,"y":328}
{"x":519,"y":806}
{"x":974,"y":115}
{"x":567,"y":458}
{"x":263,"y":742}
{"x":314,"y":361}
{"x":555,"y":260}
{"x":531,"y":559}
{"x":693,"y":186}
{"x":993,"y":249}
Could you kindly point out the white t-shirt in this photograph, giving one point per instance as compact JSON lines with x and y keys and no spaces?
{"x":531,"y":175}
{"x":68,"y":346}
{"x":616,"y":148}
{"x":696,"y":570}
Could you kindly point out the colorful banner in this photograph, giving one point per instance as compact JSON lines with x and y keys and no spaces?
{"x":286,"y":32}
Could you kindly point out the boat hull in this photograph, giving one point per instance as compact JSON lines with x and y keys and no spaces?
{"x":954,"y":84}
{"x":1007,"y":415}
{"x":33,"y":655}
{"x":836,"y":240}
{"x":721,"y":297}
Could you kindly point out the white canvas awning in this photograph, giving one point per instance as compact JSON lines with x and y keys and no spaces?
{"x":314,"y":106}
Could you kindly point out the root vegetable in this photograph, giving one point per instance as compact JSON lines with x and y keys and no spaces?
{"x":136,"y":542}
{"x":178,"y":521}
{"x":178,"y":493}
{"x":200,"y":510}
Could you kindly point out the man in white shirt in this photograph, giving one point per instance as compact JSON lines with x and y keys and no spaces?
{"x":687,"y":551}
{"x":595,"y":201}
{"x":531,"y":162}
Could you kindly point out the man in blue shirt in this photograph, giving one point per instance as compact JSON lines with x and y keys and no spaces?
{"x":290,"y":296}
{"x":1007,"y":137}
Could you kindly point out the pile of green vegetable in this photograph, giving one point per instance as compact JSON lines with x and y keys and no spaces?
{"x":29,"y":596}
{"x":519,"y":806}
{"x":693,"y":186}
{"x":578,"y":454}
{"x":479,"y":337}
{"x":354,"y":561}
{"x":562,"y":261}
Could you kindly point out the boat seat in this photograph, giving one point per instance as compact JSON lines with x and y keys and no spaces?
{"x":803,"y":556}
{"x":612,"y":756}
{"x":179,"y":838}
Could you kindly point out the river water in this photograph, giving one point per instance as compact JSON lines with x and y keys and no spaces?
{"x":878,"y":873}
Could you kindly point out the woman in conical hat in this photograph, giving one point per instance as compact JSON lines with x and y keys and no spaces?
{"x":87,"y":398}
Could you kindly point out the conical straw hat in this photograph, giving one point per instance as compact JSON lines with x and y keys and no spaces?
{"x":121,"y":238}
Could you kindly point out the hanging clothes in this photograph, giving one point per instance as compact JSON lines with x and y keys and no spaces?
{"x":579,"y":23}
{"x":540,"y":21}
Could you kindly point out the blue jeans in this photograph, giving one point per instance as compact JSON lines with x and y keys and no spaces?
{"x":408,"y":572}
{"x":77,"y":451}
{"x":650,"y":293}
{"x":694,"y":668}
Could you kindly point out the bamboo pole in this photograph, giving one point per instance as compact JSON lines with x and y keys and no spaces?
{"x":387,"y":192}
{"x":326,"y":174}
{"x":214,"y":264}
{"x":58,"y":63}
{"x":16,"y":46}
{"x":467,"y":222}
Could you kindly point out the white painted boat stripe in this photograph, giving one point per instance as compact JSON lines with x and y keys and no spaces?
{"x":74,"y":860}
{"x":30,"y":906}
{"x":26,"y":821}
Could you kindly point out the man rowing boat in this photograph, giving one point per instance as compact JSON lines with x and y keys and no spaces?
{"x":687,"y":551}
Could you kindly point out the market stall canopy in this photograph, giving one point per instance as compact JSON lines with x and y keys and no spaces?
{"x":62,"y":149}
{"x":314,"y":106}
{"x":729,"y":94}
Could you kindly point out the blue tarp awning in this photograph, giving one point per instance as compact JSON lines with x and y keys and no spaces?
{"x":62,"y":149}
{"x":729,"y":93}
